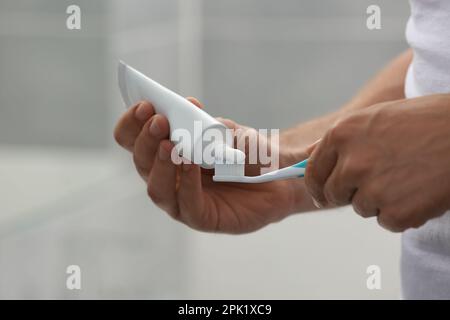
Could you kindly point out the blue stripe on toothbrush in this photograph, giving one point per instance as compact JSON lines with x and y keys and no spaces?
{"x":301,"y":164}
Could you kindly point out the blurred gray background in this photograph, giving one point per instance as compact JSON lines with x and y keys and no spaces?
{"x":69,"y":195}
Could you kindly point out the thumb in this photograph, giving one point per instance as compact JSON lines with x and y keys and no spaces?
{"x":309,"y":150}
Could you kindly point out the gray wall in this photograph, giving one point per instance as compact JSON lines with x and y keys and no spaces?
{"x":70,"y":196}
{"x":67,"y":196}
{"x":52,"y":89}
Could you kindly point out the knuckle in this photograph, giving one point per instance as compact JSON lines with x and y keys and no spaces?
{"x":118,"y":136}
{"x":342,"y":129}
{"x":372,"y":192}
{"x":362,"y":208}
{"x":399,"y":221}
{"x":393,"y":222}
{"x":358,"y":207}
{"x":355,"y":166}
{"x":337,"y":132}
{"x":331,"y":194}
{"x":154,"y":195}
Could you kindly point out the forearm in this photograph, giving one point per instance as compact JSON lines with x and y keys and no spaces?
{"x":387,"y":85}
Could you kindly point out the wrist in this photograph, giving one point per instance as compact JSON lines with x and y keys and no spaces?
{"x":289,"y":152}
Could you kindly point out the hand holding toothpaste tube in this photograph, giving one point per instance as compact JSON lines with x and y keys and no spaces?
{"x":187,"y":192}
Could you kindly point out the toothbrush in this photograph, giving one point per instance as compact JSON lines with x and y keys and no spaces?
{"x":295,"y":171}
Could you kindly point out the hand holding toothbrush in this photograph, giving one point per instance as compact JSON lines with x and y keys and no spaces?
{"x":391,"y":160}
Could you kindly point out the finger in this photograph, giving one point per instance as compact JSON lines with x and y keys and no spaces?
{"x":320,"y":166}
{"x":364,"y":204}
{"x":309,"y":150}
{"x":195,"y":102}
{"x":130,"y":124}
{"x":146,"y":145}
{"x":390,"y":220}
{"x":161,"y":185}
{"x":339,"y":190}
{"x":406,"y":213}
{"x":190,"y":198}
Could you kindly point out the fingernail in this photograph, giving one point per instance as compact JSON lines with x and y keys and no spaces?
{"x":143,"y":112}
{"x":316,"y":203}
{"x":163,"y":154}
{"x":155,"y":130}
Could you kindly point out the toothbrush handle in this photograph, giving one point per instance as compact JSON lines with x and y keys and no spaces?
{"x":301,"y":166}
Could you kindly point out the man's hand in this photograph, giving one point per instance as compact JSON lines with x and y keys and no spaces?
{"x":188,"y":194}
{"x":391,"y":160}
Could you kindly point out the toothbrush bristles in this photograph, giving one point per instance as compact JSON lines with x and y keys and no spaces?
{"x":235,"y":170}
